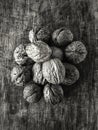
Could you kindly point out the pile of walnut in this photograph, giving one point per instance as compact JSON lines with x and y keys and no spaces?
{"x":41,"y":65}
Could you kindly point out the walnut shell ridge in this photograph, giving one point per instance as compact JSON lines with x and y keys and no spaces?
{"x":44,"y":34}
{"x":72,"y":74}
{"x":20,"y":55}
{"x":62,"y":36}
{"x":38,"y":51}
{"x":32,"y":93}
{"x":20,"y":75}
{"x":53,"y":94}
{"x":37,"y":74}
{"x":76,"y":52}
{"x":32,"y":36}
{"x":53,"y":71}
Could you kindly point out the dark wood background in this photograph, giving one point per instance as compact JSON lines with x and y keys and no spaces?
{"x":79,"y":110}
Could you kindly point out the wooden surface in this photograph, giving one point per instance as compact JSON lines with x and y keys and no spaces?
{"x":79,"y":110}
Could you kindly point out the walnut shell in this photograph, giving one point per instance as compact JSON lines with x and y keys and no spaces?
{"x":20,"y":55}
{"x":32,"y":37}
{"x":57,"y":53}
{"x":39,"y":51}
{"x":62,"y":36}
{"x":20,"y":75}
{"x":37,"y":74}
{"x":53,"y":71}
{"x":72,"y":74}
{"x":32,"y":93}
{"x":76,"y":52}
{"x":44,"y":34}
{"x":53,"y":94}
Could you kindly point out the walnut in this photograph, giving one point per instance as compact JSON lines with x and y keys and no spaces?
{"x":37,"y":74}
{"x":57,"y":53}
{"x":20,"y":75}
{"x":32,"y":36}
{"x":53,"y":94}
{"x":39,"y":51}
{"x":72,"y":74}
{"x":44,"y":34}
{"x":20,"y":55}
{"x":53,"y":71}
{"x":62,"y":36}
{"x":32,"y":93}
{"x":76,"y":52}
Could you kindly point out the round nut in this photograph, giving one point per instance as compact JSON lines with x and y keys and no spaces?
{"x":62,"y":36}
{"x":20,"y":55}
{"x":53,"y":94}
{"x":37,"y":74}
{"x":76,"y":52}
{"x":32,"y":93}
{"x":57,"y":53}
{"x":20,"y":75}
{"x":53,"y":71}
{"x":39,"y":51}
{"x":44,"y":34}
{"x":72,"y":74}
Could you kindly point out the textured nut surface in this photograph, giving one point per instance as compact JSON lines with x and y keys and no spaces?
{"x":20,"y":55}
{"x":76,"y":52}
{"x":32,"y":93}
{"x":62,"y":36}
{"x":57,"y":53}
{"x":32,"y":37}
{"x":44,"y":34}
{"x":53,"y":71}
{"x":72,"y":74}
{"x":53,"y":93}
{"x":20,"y":75}
{"x":39,"y":52}
{"x":37,"y":73}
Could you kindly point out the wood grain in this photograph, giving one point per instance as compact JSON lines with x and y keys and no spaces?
{"x":79,"y":110}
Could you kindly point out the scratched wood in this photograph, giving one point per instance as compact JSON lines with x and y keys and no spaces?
{"x":79,"y":109}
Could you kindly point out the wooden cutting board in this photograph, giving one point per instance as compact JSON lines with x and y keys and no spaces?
{"x":78,"y":111}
